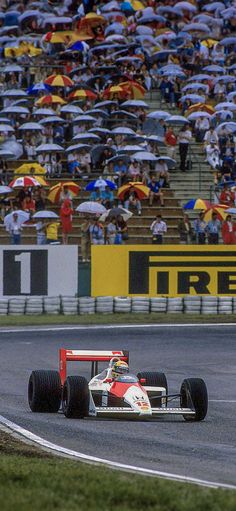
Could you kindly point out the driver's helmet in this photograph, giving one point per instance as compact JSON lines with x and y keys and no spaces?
{"x":119,"y":367}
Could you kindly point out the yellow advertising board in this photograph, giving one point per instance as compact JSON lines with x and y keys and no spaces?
{"x":167,"y":270}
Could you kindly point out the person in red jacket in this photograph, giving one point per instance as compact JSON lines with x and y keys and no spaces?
{"x":227,"y":196}
{"x":66,"y":220}
{"x":228,"y":231}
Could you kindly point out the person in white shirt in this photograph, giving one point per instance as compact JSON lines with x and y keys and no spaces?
{"x":184,"y":139}
{"x":213,"y":155}
{"x":219,"y":90}
{"x":14,"y":228}
{"x":211,"y":136}
{"x":158,"y":228}
{"x":201,"y":126}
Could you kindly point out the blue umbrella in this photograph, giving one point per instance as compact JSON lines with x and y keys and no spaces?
{"x":85,"y":137}
{"x":135,"y":103}
{"x":213,"y":6}
{"x":225,"y":115}
{"x":44,"y":111}
{"x":213,"y":68}
{"x":196,"y":115}
{"x":52,"y":119}
{"x":122,"y":130}
{"x":196,"y":86}
{"x":144,"y":156}
{"x":200,"y":77}
{"x":84,"y":118}
{"x":227,"y":41}
{"x":225,"y":104}
{"x":186,"y":6}
{"x":77,"y":46}
{"x":231,"y":95}
{"x":31,"y":126}
{"x":170,"y":162}
{"x":144,"y":30}
{"x":194,"y":98}
{"x":176,"y":119}
{"x":176,"y":73}
{"x":225,"y":78}
{"x":6,"y":128}
{"x":196,"y":27}
{"x":122,"y":114}
{"x":159,"y":114}
{"x":115,"y":27}
{"x":230,"y":126}
{"x":100,"y":131}
{"x":100,"y":183}
{"x":71,"y":109}
{"x":5,"y":190}
{"x":49,"y":148}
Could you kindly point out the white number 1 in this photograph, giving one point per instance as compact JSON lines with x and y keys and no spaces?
{"x":24,"y":260}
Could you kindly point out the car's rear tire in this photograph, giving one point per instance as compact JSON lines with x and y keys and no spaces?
{"x":44,"y":391}
{"x":154,"y":379}
{"x":75,"y":397}
{"x":193,"y":394}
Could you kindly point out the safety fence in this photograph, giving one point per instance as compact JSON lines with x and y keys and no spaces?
{"x":68,"y":305}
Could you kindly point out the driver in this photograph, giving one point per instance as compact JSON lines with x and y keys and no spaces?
{"x":116,"y":368}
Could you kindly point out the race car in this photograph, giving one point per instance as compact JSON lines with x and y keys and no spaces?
{"x":141,"y":396}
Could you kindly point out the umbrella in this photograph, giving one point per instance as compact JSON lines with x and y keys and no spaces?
{"x":31,"y":126}
{"x":186,"y":6}
{"x":45,"y":214}
{"x":30,"y":168}
{"x":176,"y":119}
{"x":115,"y":91}
{"x":38,"y":87}
{"x":55,"y":191}
{"x":194,"y":98}
{"x":100,"y":183}
{"x":82,"y":94}
{"x":159,"y":114}
{"x":22,"y":217}
{"x":97,"y":151}
{"x":50,"y":99}
{"x":227,"y":41}
{"x":19,"y":110}
{"x":52,"y":119}
{"x":200,"y":107}
{"x":131,"y":148}
{"x":170,"y":162}
{"x":6,"y":155}
{"x":86,"y":137}
{"x":5,"y":189}
{"x":220,"y":209}
{"x":197,"y":204}
{"x":84,"y":118}
{"x":91,"y":207}
{"x":44,"y":111}
{"x":135,"y":103}
{"x":141,"y":190}
{"x":135,"y":89}
{"x":16,"y":93}
{"x":196,"y":115}
{"x":122,"y":130}
{"x":59,"y":81}
{"x":6,"y":128}
{"x":231,"y":211}
{"x":230,"y":126}
{"x":115,"y":212}
{"x":25,"y":182}
{"x":225,"y":104}
{"x":213,"y":68}
{"x":71,"y":109}
{"x":78,"y":147}
{"x":49,"y":148}
{"x":196,"y":27}
{"x":144,"y":156}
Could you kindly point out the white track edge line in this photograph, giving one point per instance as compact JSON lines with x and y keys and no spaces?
{"x":63,"y":328}
{"x":111,"y":464}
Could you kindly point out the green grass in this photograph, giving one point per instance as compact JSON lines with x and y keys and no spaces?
{"x":32,"y":480}
{"x":118,"y":318}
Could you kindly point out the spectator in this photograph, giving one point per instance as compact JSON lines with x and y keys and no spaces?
{"x":65,"y":194}
{"x":52,"y":232}
{"x":96,"y":195}
{"x":155,"y":191}
{"x":134,"y":171}
{"x":158,"y":228}
{"x":85,"y":240}
{"x":171,"y":141}
{"x":227,"y":196}
{"x":200,"y":228}
{"x":120,"y":170}
{"x":28,"y":204}
{"x":228,"y":231}
{"x":213,"y":229}
{"x":107,"y":198}
{"x":201,"y":127}
{"x":184,"y":140}
{"x":41,"y":234}
{"x":84,"y":160}
{"x":131,"y":199}
{"x":122,"y":229}
{"x":111,"y":232}
{"x":185,"y":230}
{"x":14,"y":228}
{"x":66,"y":220}
{"x":96,"y":233}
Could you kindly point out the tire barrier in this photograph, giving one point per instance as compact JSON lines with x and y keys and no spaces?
{"x":71,"y":305}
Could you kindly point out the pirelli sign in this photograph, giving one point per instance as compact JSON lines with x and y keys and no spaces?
{"x":168,"y":270}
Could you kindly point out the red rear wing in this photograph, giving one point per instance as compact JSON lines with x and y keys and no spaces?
{"x":93,"y":356}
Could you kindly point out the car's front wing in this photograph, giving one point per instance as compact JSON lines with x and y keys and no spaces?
{"x":112,"y":411}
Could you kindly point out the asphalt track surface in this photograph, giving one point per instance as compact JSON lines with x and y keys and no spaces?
{"x":204,"y":450}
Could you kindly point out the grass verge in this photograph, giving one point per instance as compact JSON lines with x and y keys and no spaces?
{"x":118,"y":318}
{"x":33,"y":479}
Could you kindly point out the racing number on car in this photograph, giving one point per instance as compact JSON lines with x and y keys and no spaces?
{"x":25,"y":272}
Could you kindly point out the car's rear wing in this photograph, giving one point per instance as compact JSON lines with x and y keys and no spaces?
{"x":93,"y":356}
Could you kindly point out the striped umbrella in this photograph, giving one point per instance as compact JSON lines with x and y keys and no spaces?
{"x":198,"y":204}
{"x":55,"y":191}
{"x":115,"y":91}
{"x":135,"y":89}
{"x":82,"y":94}
{"x":141,"y":190}
{"x":59,"y":81}
{"x":219,"y":209}
{"x":200,"y":107}
{"x":50,"y":99}
{"x":25,"y":182}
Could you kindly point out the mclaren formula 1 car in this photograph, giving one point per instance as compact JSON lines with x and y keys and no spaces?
{"x":141,"y":396}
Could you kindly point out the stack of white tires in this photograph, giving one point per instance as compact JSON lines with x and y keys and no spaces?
{"x":175,"y":305}
{"x":192,"y":304}
{"x":225,"y":305}
{"x":34,"y":305}
{"x":158,"y":304}
{"x":52,"y":304}
{"x":86,"y":305}
{"x":209,"y":305}
{"x":16,"y":306}
{"x":3,"y":306}
{"x":69,"y":305}
{"x":104,"y":304}
{"x":122,"y":304}
{"x":140,"y":305}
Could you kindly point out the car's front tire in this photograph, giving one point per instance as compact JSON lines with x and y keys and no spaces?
{"x":44,"y":391}
{"x":75,"y":397}
{"x":193,"y":394}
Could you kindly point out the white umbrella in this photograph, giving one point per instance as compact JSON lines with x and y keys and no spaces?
{"x":45,"y":214}
{"x":14,"y":147}
{"x":71,"y":109}
{"x":44,"y":111}
{"x":31,"y":126}
{"x":52,"y":119}
{"x":5,"y":189}
{"x":131,"y":148}
{"x":49,"y":148}
{"x":21,"y":110}
{"x":7,"y":128}
{"x":14,"y":93}
{"x":176,"y":119}
{"x":22,"y":217}
{"x":91,"y":207}
{"x":144,"y":156}
{"x":6,"y":155}
{"x":122,"y":130}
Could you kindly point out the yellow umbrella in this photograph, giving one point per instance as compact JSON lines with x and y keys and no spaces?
{"x":137,"y":5}
{"x":54,"y":192}
{"x":30,"y":169}
{"x":141,"y":190}
{"x":50,"y":99}
{"x":41,"y":180}
{"x":219,"y":209}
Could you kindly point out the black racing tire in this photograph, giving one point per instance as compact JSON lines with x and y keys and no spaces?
{"x":75,"y":397}
{"x":44,"y":391}
{"x":193,"y":394}
{"x":154,"y":379}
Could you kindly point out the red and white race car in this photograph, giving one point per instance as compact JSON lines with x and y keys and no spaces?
{"x":140,"y":396}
